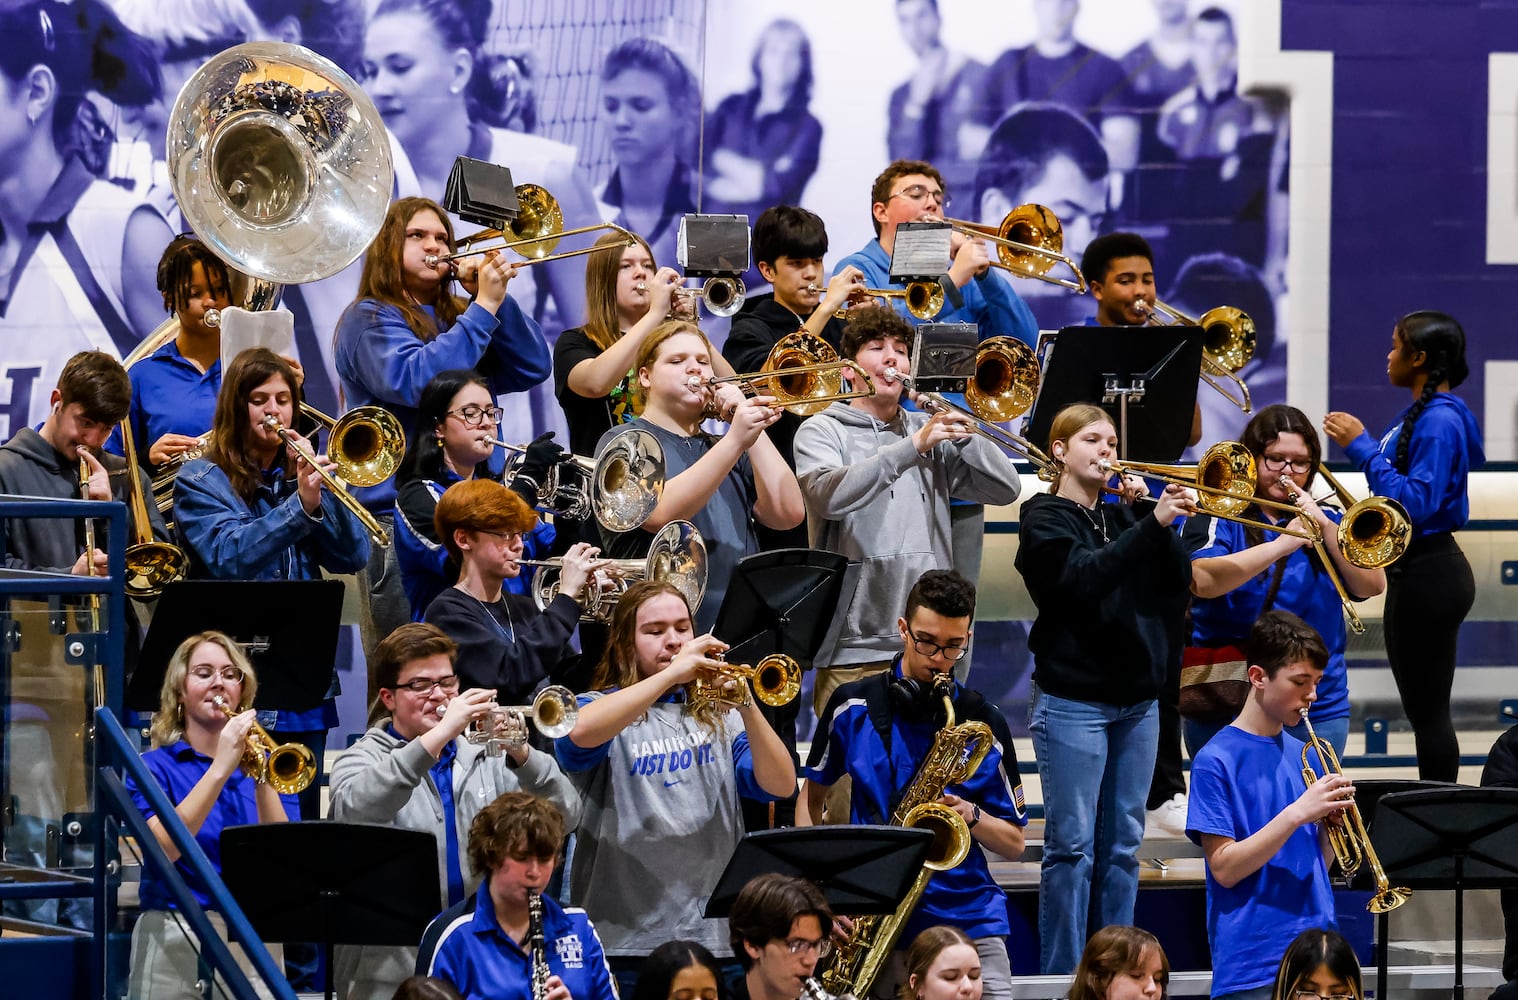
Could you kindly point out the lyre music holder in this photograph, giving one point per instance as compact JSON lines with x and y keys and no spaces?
{"x":860,"y":869}
{"x":922,"y":251}
{"x":288,"y":628}
{"x":1121,"y":368}
{"x":481,"y":193}
{"x":781,"y":601}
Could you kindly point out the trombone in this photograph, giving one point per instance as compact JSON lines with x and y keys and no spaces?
{"x":776,"y":680}
{"x":366,"y":444}
{"x":924,"y":299}
{"x":339,"y":490}
{"x":803,"y":373}
{"x":1351,"y":841}
{"x":150,"y":564}
{"x":1003,"y":387}
{"x":289,"y":767}
{"x":621,"y":488}
{"x":1028,"y":244}
{"x":676,"y":556}
{"x":1378,"y":528}
{"x":553,"y":713}
{"x":538,"y":226}
{"x":1225,"y":484}
{"x":1228,"y":339}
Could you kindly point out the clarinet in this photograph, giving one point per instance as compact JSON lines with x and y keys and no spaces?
{"x":535,"y":943}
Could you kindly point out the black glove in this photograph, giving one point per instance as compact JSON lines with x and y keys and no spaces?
{"x":542,"y":454}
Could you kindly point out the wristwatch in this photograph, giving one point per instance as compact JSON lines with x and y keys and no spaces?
{"x":974,"y":818}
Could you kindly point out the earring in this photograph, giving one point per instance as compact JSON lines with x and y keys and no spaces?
{"x":456,"y":88}
{"x":31,"y":117}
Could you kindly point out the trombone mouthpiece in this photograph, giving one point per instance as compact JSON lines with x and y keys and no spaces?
{"x":892,"y":375}
{"x":695,"y":383}
{"x":1142,"y":307}
{"x":432,"y":260}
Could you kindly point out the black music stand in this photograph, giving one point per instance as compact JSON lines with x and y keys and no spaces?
{"x":1125,"y":368}
{"x":1368,"y":795}
{"x":860,"y":869}
{"x":781,"y":601}
{"x":334,"y":883}
{"x":1450,"y":838}
{"x":288,"y":628}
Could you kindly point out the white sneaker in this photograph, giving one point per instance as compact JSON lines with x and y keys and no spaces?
{"x":1168,"y":819}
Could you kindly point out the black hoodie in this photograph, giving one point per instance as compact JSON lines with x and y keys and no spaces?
{"x":1110,"y":614}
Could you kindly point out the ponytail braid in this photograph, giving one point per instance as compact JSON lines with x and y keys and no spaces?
{"x":1436,"y":377}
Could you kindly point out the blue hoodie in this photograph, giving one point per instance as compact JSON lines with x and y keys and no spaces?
{"x":1445,"y":446}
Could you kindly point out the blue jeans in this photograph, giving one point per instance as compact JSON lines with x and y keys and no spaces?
{"x":1094,"y":762}
{"x":1335,"y":731}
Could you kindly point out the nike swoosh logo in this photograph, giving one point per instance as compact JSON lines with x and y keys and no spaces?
{"x":672,"y":784}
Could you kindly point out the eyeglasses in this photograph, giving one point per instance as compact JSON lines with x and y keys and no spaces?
{"x":927,"y":648}
{"x":424,"y":685}
{"x":1314,"y":995}
{"x":505,"y":537}
{"x":474,"y":415}
{"x":229,"y":675}
{"x":920,"y":192}
{"x":1300,"y":467}
{"x":796,"y":946}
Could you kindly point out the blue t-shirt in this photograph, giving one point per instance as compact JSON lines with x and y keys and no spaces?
{"x":178,"y":769}
{"x":967,"y":896}
{"x":1306,"y":591}
{"x":170,"y":395}
{"x":1239,"y":783}
{"x":466,"y":947}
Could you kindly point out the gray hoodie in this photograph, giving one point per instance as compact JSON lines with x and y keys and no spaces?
{"x":383,"y":779}
{"x":871,"y":497}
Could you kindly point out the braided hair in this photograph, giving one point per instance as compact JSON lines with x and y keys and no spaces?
{"x":1442,"y":340}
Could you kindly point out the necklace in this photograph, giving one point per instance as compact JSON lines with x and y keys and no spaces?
{"x":1101,"y":528}
{"x":509,"y":629}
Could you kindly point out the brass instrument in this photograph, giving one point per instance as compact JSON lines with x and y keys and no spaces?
{"x":553,"y":713}
{"x":1377,"y":529}
{"x":621,"y":488}
{"x":97,"y":692}
{"x":538,"y":226}
{"x":722,"y":295}
{"x":955,"y":755}
{"x":1351,"y":841}
{"x":150,"y":564}
{"x":168,"y":474}
{"x":803,"y":373}
{"x":366,"y":444}
{"x":677,"y":556}
{"x":924,"y":299}
{"x":1225,"y":484}
{"x":289,"y":767}
{"x":1228,"y":339}
{"x":335,"y":485}
{"x":776,"y":680}
{"x":1003,"y":387}
{"x":1028,"y":244}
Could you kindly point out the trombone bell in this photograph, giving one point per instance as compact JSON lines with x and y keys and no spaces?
{"x":1028,"y":242}
{"x":538,"y":226}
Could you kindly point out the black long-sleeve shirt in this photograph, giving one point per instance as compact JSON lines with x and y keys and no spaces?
{"x":510,"y":645}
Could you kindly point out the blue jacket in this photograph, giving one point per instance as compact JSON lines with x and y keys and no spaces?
{"x":380,"y":361}
{"x":990,"y":301}
{"x":1445,"y":446}
{"x":466,"y":947}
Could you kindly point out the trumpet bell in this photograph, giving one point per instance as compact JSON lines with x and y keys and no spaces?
{"x":367,"y":445}
{"x":555,"y":711}
{"x":150,"y":566}
{"x":777,"y":679}
{"x":279,"y":162}
{"x":538,"y":224}
{"x":291,"y":768}
{"x":1006,"y":380}
{"x":723,"y":296}
{"x":1228,"y":335}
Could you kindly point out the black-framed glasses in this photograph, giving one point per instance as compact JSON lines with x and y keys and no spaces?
{"x":1299,"y":466}
{"x":1315,"y":995}
{"x":927,"y":648}
{"x":921,"y":192}
{"x":229,"y":675}
{"x":506,"y":537}
{"x":796,"y":946}
{"x":475,"y":415}
{"x":424,"y":685}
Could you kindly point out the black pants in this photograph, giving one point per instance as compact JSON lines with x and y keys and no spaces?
{"x":1429,"y":591}
{"x":1169,"y":779}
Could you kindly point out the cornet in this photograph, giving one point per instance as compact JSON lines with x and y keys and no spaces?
{"x":1351,"y":841}
{"x":289,"y":767}
{"x":776,"y":680}
{"x":553,"y":713}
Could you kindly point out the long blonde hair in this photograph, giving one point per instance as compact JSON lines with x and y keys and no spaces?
{"x":603,"y":323}
{"x":1068,"y":423}
{"x":650,"y":350}
{"x":168,"y":722}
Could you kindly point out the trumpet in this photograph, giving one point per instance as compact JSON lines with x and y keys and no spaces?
{"x":538,"y":226}
{"x":924,"y":299}
{"x":775,"y":679}
{"x":1351,"y":841}
{"x":677,"y":556}
{"x":1029,"y":242}
{"x":553,"y":713}
{"x":1004,"y":386}
{"x":1228,"y":339}
{"x":289,"y":767}
{"x":375,"y":529}
{"x":621,"y":488}
{"x":722,"y":295}
{"x":802,"y":372}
